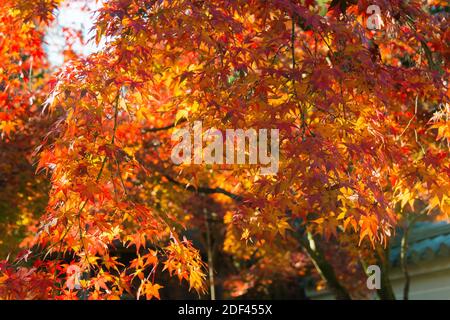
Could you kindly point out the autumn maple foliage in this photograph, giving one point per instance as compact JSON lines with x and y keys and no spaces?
{"x":363,"y":117}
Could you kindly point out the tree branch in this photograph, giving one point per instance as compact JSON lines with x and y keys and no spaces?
{"x":169,"y":126}
{"x":382,"y":256}
{"x":204,"y":190}
{"x":324,"y":268}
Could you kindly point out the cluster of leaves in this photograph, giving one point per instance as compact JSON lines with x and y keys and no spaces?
{"x":24,"y":86}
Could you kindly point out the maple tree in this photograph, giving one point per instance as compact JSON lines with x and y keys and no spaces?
{"x":364,"y":140}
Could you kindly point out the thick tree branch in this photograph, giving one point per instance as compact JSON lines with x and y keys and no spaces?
{"x":324,"y":268}
{"x":204,"y":190}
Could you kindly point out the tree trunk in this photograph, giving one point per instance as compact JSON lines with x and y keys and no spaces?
{"x":210,"y":251}
{"x":325,"y":269}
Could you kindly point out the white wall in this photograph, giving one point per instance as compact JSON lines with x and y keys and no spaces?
{"x":430,"y":280}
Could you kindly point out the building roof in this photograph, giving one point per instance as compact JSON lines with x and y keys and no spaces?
{"x":427,"y":241}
